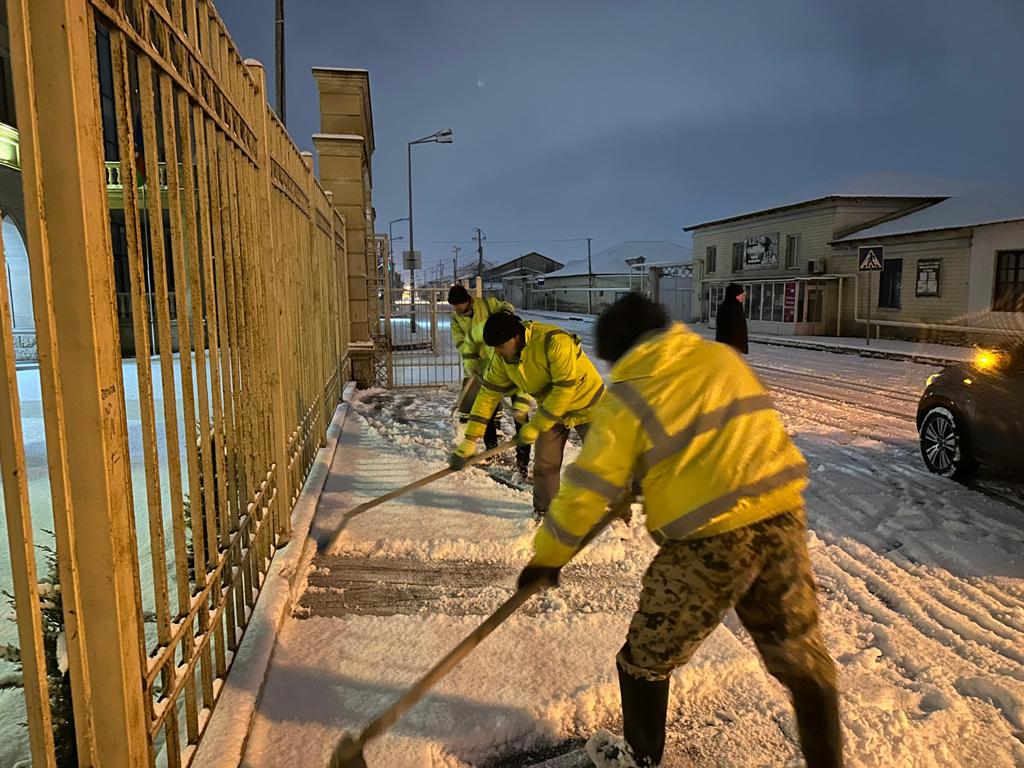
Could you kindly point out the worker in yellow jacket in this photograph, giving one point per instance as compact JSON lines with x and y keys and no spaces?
{"x":549,"y":364}
{"x":722,"y":487}
{"x":469,"y":313}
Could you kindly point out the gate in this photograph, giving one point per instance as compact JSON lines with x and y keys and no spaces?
{"x":675,"y":292}
{"x":416,"y":339}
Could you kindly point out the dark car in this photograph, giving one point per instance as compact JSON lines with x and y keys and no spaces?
{"x":973,"y":413}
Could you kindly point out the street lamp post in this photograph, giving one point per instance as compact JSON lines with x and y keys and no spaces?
{"x":391,"y":248}
{"x":441,"y":137}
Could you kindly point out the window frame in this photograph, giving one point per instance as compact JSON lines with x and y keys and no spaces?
{"x":738,"y":250}
{"x":793,"y":255}
{"x":999,"y":301}
{"x":711,"y":259}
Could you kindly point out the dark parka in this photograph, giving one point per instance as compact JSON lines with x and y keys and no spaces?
{"x":731,"y":324}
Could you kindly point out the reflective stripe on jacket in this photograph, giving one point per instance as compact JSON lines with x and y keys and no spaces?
{"x":468,"y":331}
{"x":553,"y":368}
{"x":694,"y":424}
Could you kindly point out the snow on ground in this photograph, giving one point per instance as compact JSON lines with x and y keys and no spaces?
{"x":13,"y":736}
{"x":921,"y":587}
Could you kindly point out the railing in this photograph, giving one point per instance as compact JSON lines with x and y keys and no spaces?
{"x":115,"y":175}
{"x":171,"y":477}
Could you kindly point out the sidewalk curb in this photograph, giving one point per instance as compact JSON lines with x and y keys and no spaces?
{"x":227,"y":733}
{"x":842,"y":349}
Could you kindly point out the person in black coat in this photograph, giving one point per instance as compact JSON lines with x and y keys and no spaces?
{"x":731,"y":326}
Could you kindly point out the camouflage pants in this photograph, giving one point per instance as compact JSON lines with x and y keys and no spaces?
{"x":763,"y":571}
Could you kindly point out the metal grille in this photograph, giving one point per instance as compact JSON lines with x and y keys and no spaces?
{"x":173,"y":475}
{"x":417,"y":329}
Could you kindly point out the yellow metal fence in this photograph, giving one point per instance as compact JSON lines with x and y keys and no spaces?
{"x":171,"y":476}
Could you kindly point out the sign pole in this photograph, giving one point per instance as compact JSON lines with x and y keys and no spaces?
{"x":870,"y":258}
{"x":868,"y":333}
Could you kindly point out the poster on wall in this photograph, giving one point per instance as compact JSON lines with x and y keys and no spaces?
{"x":928,"y":277}
{"x":789,"y":304}
{"x":761,"y":252}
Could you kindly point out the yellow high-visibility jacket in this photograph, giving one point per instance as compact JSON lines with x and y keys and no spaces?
{"x":553,"y":368}
{"x":468,"y":331}
{"x":692,"y":422}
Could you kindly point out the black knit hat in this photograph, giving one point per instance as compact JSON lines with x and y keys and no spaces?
{"x":457,"y":294}
{"x":733,"y":290}
{"x":500,"y":327}
{"x":625,"y":321}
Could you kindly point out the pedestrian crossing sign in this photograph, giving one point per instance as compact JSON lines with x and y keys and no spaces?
{"x":870,"y":258}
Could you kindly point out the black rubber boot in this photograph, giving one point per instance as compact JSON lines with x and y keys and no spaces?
{"x":817,"y":720}
{"x":491,"y":434}
{"x":644,"y":709}
{"x":523,"y":460}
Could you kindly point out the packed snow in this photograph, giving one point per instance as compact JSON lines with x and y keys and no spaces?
{"x":921,"y":589}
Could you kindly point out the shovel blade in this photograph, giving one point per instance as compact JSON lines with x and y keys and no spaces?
{"x":348,"y":753}
{"x":464,"y":405}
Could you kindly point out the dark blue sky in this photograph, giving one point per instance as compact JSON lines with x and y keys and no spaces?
{"x":620,"y":120}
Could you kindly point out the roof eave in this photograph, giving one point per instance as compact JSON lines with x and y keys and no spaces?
{"x":806,"y":203}
{"x":853,"y":239}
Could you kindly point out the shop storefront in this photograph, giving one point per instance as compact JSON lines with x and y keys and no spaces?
{"x":795,"y":307}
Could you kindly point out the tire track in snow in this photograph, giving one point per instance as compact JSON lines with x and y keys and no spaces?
{"x":954,"y":632}
{"x":839,"y":390}
{"x":994,"y":612}
{"x":878,"y":528}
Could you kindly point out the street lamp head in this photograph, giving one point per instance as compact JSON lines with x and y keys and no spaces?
{"x":445,"y":134}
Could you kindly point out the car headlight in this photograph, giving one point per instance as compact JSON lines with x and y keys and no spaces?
{"x":930,"y":379}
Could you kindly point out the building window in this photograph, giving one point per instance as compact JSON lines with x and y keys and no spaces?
{"x":793,"y":252}
{"x":108,"y":114}
{"x":711,"y":259}
{"x":1009,"y":294}
{"x":737,"y":257}
{"x":891,"y":284}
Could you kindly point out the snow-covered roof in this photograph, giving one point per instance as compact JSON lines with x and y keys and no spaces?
{"x":617,"y":259}
{"x":952,"y":213}
{"x":890,"y":186}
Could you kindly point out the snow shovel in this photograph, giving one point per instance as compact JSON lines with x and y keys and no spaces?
{"x":469,"y":392}
{"x":348,"y":752}
{"x":358,"y":510}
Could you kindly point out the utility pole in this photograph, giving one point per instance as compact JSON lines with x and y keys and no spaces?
{"x":455,"y":264}
{"x":279,"y":60}
{"x":412,"y":253}
{"x":590,"y":282}
{"x":479,"y":252}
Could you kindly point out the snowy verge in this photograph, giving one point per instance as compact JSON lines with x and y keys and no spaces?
{"x":228,"y":730}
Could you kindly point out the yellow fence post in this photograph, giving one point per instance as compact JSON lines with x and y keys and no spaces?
{"x":80,"y":368}
{"x":269,"y":258}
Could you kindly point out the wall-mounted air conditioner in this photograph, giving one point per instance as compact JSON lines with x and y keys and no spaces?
{"x":816,"y":267}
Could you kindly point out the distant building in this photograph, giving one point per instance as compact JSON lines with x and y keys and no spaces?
{"x":513,"y":279}
{"x":12,"y":209}
{"x":953,"y":266}
{"x":611,"y":274}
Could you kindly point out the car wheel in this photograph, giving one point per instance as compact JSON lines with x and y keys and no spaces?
{"x":943,"y":446}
